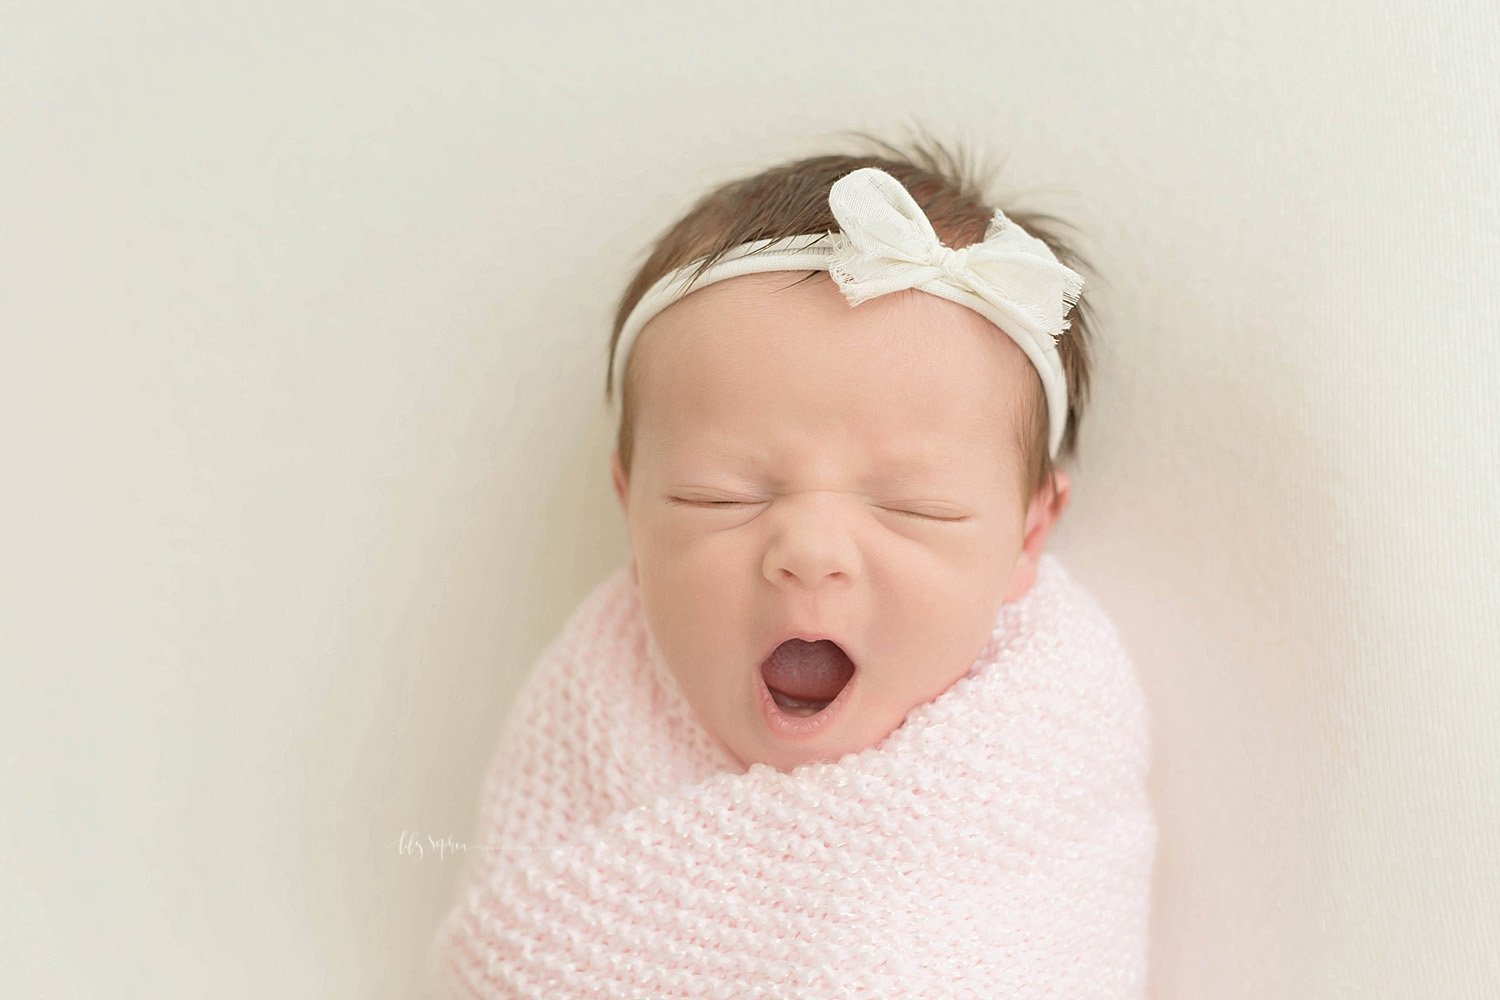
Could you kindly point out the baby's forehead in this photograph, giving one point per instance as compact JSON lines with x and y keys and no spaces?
{"x":754,"y":337}
{"x":773,"y":371}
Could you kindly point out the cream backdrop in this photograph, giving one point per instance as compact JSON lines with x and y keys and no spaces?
{"x":303,"y":313}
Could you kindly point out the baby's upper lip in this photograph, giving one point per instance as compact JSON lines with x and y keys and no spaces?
{"x":808,"y":635}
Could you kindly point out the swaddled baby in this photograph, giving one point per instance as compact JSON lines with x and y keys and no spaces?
{"x":842,"y":727}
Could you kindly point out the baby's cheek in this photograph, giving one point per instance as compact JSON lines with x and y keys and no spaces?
{"x":692,"y":553}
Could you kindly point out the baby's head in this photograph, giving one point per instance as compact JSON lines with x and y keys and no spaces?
{"x":874,"y":478}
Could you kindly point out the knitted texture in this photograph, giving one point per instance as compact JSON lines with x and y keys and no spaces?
{"x":1000,"y":843}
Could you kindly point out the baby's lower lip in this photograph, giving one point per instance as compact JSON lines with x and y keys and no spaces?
{"x":792,"y":719}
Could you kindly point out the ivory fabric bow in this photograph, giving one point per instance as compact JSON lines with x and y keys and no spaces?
{"x":888,"y":244}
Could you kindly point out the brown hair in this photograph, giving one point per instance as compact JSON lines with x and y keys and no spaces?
{"x":792,"y":199}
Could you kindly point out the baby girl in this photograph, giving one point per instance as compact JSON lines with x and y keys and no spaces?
{"x":842,"y":727}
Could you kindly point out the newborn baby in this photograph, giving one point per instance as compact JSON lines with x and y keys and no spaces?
{"x":841,"y":727}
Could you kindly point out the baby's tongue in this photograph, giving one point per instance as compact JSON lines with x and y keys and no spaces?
{"x":808,"y":671}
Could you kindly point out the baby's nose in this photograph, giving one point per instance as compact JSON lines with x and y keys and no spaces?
{"x":811,"y":542}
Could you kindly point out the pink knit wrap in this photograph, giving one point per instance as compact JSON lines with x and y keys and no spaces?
{"x":1000,"y":843}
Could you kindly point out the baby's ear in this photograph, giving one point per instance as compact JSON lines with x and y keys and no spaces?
{"x":617,"y":473}
{"x":1046,"y":507}
{"x":1041,"y":514}
{"x":622,"y":490}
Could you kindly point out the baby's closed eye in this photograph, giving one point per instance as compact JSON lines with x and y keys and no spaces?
{"x":929,"y":515}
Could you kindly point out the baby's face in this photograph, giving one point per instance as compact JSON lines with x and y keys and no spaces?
{"x":802,"y":468}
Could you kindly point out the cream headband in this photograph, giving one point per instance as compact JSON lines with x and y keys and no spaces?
{"x":886,"y":244}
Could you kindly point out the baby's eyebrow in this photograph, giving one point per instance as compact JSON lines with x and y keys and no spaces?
{"x":912,"y":468}
{"x":909,"y":466}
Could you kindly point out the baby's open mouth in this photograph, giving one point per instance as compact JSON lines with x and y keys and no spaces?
{"x":803,"y":677}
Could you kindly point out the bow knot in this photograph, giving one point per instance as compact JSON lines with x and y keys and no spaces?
{"x":952,"y":263}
